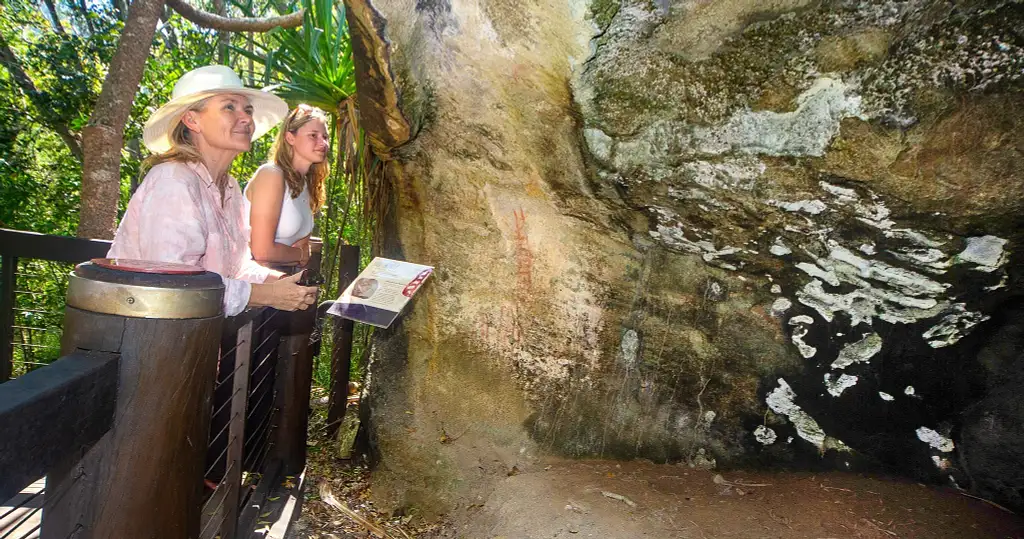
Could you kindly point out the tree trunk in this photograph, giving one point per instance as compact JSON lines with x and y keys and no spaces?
{"x":120,"y":8}
{"x":103,"y":137}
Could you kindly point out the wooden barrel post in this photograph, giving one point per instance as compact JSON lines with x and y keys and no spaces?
{"x":144,"y":478}
{"x":294,"y":379}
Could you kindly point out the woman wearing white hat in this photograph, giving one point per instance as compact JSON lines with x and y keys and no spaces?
{"x":188,"y":209}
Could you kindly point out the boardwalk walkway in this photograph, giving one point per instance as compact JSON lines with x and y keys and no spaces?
{"x":21,"y":516}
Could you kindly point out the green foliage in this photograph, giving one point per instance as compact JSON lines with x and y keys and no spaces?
{"x":313,"y":63}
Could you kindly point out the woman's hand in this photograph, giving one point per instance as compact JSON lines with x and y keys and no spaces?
{"x":285,"y":294}
{"x":303,"y":246}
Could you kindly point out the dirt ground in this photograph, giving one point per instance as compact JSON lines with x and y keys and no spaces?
{"x":627,"y":500}
{"x":610,"y":500}
{"x":602,"y":499}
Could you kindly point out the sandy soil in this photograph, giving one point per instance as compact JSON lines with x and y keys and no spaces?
{"x":612,"y":500}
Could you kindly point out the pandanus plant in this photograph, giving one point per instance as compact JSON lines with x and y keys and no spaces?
{"x":313,"y":64}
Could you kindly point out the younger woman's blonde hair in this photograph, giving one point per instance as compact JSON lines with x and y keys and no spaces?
{"x":282,"y":155}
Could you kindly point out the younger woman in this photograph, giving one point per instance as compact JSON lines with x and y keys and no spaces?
{"x":283,"y":195}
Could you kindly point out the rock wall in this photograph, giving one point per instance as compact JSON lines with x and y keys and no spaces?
{"x":728,"y":232}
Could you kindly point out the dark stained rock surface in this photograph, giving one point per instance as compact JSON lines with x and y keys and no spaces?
{"x":726,"y":232}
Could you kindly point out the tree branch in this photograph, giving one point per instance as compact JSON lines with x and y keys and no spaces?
{"x":242,"y":24}
{"x":37,"y":98}
{"x":52,"y":10}
{"x":83,"y":12}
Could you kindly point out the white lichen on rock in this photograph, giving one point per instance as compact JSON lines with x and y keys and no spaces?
{"x":814,"y":271}
{"x":806,"y":131}
{"x":704,"y":422}
{"x":935,"y":440}
{"x":629,"y":347}
{"x":780,"y":401}
{"x":953,"y":327}
{"x":986,"y":252}
{"x":810,"y":207}
{"x":741,"y":173}
{"x":779,"y":248}
{"x":799,"y":332}
{"x":806,"y":350}
{"x":781,"y":305}
{"x":765,"y":435}
{"x":836,"y":386}
{"x":600,"y":144}
{"x":858,"y":352}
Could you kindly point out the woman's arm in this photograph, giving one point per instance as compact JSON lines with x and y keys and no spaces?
{"x":266,"y":195}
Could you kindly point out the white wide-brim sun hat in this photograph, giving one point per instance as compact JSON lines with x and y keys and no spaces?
{"x":199,"y":84}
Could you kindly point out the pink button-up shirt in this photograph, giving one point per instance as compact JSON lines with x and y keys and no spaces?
{"x":177,"y":215}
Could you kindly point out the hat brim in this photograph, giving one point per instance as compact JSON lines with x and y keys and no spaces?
{"x":268,"y":111}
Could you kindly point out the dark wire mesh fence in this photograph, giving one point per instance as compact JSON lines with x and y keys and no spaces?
{"x":248,"y":428}
{"x":40,"y":287}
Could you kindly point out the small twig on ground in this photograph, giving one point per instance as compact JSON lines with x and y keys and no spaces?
{"x":719,"y":480}
{"x":328,"y":497}
{"x":619,"y":497}
{"x":699,"y":529}
{"x":990,"y":502}
{"x":401,"y":531}
{"x":781,"y":520}
{"x":879,"y":528}
{"x":835,"y":488}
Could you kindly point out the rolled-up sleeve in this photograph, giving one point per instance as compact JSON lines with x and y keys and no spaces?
{"x":253,"y":272}
{"x":236,"y":295}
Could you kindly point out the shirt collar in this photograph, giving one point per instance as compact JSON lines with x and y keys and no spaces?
{"x":204,"y":174}
{"x":201,"y":171}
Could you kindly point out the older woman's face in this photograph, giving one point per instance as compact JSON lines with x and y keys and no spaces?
{"x":225,"y":122}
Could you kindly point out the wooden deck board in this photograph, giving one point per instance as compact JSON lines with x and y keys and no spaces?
{"x":24,"y":521}
{"x":282,"y":508}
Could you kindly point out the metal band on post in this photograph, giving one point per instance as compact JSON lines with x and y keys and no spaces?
{"x":105,"y":288}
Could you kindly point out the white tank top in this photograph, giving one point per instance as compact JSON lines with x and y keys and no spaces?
{"x":296,"y":221}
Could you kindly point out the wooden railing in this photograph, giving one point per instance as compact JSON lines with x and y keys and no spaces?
{"x":20,"y":312}
{"x":138,"y":414}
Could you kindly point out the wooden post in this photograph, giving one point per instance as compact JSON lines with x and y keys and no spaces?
{"x":8,"y":268}
{"x":293,"y":384}
{"x":143,"y":479}
{"x":341,"y":344}
{"x":232,"y":482}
